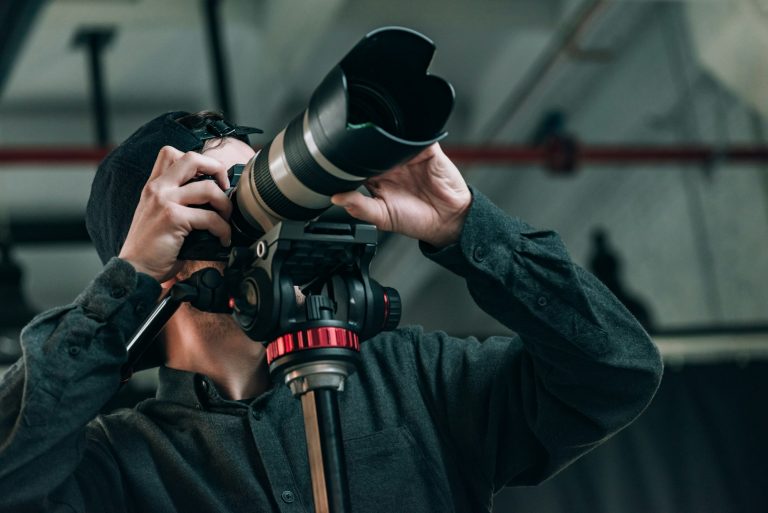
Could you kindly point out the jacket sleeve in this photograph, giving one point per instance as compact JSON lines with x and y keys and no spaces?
{"x":69,"y":369}
{"x":518,"y":409}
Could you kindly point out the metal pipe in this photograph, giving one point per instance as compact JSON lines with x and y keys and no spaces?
{"x":495,"y":155}
{"x":63,"y":156}
{"x":221,"y":79}
{"x":95,"y":40}
{"x":611,"y":155}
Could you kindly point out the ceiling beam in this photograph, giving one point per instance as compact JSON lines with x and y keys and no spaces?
{"x":16,"y":19}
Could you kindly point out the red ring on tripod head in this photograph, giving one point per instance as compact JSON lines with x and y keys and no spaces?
{"x":312,"y":338}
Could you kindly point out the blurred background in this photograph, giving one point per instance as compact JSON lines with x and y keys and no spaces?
{"x":636,"y":129}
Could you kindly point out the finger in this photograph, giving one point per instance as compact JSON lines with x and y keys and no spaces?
{"x":203,"y":192}
{"x":165,"y":159}
{"x":200,"y":219}
{"x":219,"y":173}
{"x":221,"y":177}
{"x":370,"y":210}
{"x":191,"y":164}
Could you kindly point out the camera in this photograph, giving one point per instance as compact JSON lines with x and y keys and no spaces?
{"x":377,"y":108}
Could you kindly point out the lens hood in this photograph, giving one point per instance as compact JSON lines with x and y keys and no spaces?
{"x":379,"y":106}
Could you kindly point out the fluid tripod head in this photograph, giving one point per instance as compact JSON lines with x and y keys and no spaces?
{"x":306,"y":286}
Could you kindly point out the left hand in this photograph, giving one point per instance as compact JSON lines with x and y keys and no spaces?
{"x":426,"y":198}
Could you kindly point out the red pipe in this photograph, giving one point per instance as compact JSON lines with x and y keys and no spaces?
{"x":499,"y":155}
{"x":605,"y":155}
{"x":64,"y":155}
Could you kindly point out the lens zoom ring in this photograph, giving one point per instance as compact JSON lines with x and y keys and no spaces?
{"x":307,"y":169}
{"x":273,"y":197}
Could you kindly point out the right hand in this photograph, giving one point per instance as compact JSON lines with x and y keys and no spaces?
{"x":166,"y":214}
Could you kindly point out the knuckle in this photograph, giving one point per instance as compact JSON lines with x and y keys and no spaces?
{"x":152,"y":189}
{"x":188,"y":156}
{"x":170,"y":213}
{"x":155,"y":196}
{"x":167,"y":151}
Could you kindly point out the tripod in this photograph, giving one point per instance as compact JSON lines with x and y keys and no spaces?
{"x":313,"y":338}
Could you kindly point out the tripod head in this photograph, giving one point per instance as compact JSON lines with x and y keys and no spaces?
{"x":304,"y":290}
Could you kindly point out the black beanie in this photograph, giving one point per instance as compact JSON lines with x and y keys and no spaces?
{"x":121,"y":176}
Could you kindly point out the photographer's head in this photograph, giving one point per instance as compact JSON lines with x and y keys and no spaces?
{"x":144,"y":203}
{"x":121,"y":176}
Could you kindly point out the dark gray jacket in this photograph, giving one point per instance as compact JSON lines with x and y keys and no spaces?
{"x":431,"y":422}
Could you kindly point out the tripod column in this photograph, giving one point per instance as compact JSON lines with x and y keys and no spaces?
{"x":315,"y":363}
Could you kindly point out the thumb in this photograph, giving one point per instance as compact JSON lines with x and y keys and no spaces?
{"x":370,"y":210}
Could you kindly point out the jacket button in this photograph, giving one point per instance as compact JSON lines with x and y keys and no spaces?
{"x":256,"y":415}
{"x":479,"y":253}
{"x":287,"y":496}
{"x":73,"y":350}
{"x":542,"y":301}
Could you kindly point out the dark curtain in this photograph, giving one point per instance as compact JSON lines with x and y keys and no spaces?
{"x":701,"y":447}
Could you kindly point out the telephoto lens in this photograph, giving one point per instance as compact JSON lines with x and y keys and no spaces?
{"x":376,"y":109}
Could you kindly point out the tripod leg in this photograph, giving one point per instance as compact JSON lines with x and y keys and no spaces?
{"x":329,"y":423}
{"x":315,"y":452}
{"x":322,"y":425}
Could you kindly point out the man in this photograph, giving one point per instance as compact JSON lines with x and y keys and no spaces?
{"x":431,"y":423}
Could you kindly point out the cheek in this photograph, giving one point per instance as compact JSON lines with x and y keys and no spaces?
{"x":191,"y":266}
